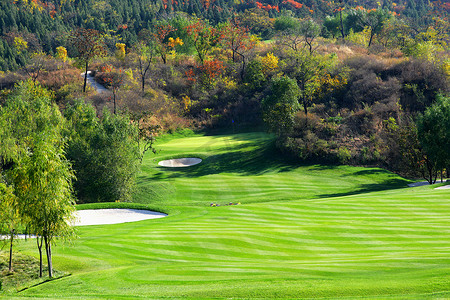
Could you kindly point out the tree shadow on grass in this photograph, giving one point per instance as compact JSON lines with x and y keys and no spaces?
{"x":257,"y":155}
{"x":260,"y":160}
{"x":389,"y":184}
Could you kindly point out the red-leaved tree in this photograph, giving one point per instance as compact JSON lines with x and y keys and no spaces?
{"x":203,"y":37}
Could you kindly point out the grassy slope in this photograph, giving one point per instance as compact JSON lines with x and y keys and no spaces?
{"x":245,"y":168}
{"x":296,"y":236}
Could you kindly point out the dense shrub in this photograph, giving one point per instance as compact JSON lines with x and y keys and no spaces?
{"x":104,"y":154}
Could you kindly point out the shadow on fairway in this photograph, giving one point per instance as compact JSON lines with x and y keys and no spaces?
{"x":260,"y":160}
{"x":389,"y":184}
{"x":259,"y":157}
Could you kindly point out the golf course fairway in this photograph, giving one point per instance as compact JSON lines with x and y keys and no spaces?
{"x":300,"y":231}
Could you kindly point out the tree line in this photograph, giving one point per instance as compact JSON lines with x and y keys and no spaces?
{"x":44,"y":25}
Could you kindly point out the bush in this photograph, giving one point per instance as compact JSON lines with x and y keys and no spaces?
{"x":104,"y":154}
{"x":344,"y":155}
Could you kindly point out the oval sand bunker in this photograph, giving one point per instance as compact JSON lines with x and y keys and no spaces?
{"x":180,"y":162}
{"x":113,"y":216}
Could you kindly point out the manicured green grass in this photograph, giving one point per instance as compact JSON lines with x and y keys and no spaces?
{"x":246,"y":168}
{"x":301,"y":232}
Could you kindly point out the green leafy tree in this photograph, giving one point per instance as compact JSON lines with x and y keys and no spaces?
{"x":283,"y":23}
{"x":9,"y":217}
{"x":405,"y":152}
{"x":309,"y":73}
{"x":280,"y":105}
{"x":433,"y":129}
{"x":104,"y":154}
{"x":310,"y":30}
{"x":145,"y":52}
{"x":374,"y":20}
{"x":40,"y":174}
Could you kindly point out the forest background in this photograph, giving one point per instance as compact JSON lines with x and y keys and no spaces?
{"x":363,"y":83}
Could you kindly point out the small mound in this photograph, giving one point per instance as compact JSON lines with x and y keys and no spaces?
{"x":114,"y":216}
{"x":180,"y":162}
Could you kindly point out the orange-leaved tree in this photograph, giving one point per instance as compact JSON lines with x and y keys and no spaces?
{"x":239,"y":40}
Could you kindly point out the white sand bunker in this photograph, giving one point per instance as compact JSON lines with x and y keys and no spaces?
{"x":114,"y":216}
{"x":444,"y":187}
{"x":180,"y":162}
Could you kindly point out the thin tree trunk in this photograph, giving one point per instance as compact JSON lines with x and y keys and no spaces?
{"x":243,"y":65}
{"x":114,"y":97}
{"x":85,"y":77}
{"x":342,"y":25}
{"x":11,"y":241}
{"x":371,"y":38}
{"x":39,"y":245}
{"x":48,"y":249}
{"x":430,"y":171}
{"x":143,"y":73}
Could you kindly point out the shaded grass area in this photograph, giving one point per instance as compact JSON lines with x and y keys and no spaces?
{"x":247,"y":168}
{"x":25,"y":273}
{"x":302,"y":231}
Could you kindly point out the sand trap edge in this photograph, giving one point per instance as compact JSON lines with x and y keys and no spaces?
{"x":114,"y":216}
{"x":180,"y":162}
{"x":444,"y":187}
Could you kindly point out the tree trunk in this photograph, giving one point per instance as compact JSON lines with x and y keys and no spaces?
{"x":143,"y":73}
{"x":48,"y":249}
{"x":372,"y":34}
{"x":429,"y":167}
{"x":85,"y":77}
{"x":243,"y":66}
{"x":341,"y":27}
{"x":11,"y":241}
{"x":39,"y":245}
{"x":114,"y":97}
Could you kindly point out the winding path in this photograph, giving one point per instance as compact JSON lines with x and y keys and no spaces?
{"x":97,"y":86}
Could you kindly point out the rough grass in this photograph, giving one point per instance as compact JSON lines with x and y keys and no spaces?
{"x":301,"y":232}
{"x":25,"y":272}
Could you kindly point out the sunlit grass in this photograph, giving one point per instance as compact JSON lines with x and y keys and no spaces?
{"x":300,"y":232}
